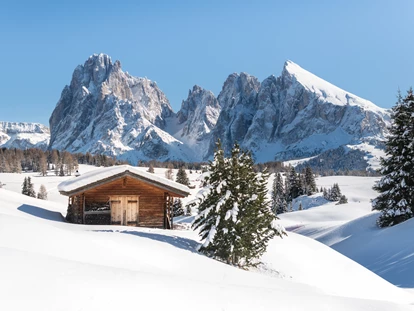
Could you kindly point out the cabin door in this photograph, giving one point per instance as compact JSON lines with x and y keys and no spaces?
{"x":131,"y":211}
{"x":124,"y":210}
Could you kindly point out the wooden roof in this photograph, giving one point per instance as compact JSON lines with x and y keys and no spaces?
{"x":99,"y":177}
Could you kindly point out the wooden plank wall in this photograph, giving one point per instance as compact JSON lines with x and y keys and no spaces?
{"x":151,"y":199}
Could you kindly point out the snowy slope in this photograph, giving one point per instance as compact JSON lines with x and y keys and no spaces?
{"x":112,"y":267}
{"x":45,"y":261}
{"x":351,"y":230}
{"x":22,"y":135}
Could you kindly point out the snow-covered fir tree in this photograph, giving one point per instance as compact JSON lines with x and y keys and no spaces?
{"x":343,"y":200}
{"x":42,"y":194}
{"x":24,"y":186}
{"x":28,"y":188}
{"x":235,"y":219}
{"x":178,"y":208}
{"x":278,"y":195}
{"x":151,"y":169}
{"x":182,"y":177}
{"x":309,"y":182}
{"x":169,"y":172}
{"x":396,"y":187}
{"x":335,"y":193}
{"x":332,"y":194}
{"x":295,"y":185}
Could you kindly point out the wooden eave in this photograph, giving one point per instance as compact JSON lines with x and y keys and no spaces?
{"x":175,"y":191}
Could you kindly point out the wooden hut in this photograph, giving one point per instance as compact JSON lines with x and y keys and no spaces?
{"x":121,"y":195}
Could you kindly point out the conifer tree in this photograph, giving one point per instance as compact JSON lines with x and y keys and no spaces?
{"x":182,"y":177}
{"x":279,"y":204}
{"x":396,"y":187}
{"x":30,"y":188}
{"x":151,"y":169}
{"x":310,"y":184}
{"x":235,"y":219}
{"x":343,"y":200}
{"x":188,"y":210}
{"x":295,"y":186}
{"x":61,"y":172}
{"x":335,"y":193}
{"x":178,"y":208}
{"x":24,"y":187}
{"x":42,"y":194}
{"x":169,"y":172}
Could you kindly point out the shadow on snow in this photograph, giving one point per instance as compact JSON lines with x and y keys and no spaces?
{"x":41,"y":212}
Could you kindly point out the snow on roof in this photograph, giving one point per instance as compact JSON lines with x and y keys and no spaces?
{"x":100,"y":174}
{"x":328,"y":91}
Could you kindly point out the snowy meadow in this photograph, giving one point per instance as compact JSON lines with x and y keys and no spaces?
{"x":334,"y":258}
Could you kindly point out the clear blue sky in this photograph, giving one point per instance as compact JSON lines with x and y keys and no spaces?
{"x":364,"y":47}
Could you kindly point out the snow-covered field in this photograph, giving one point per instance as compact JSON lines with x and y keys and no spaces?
{"x":47,"y":264}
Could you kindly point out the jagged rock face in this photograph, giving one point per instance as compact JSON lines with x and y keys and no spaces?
{"x":199,"y":114}
{"x":238,"y":99}
{"x":107,"y":110}
{"x":24,"y":135}
{"x":299,"y":115}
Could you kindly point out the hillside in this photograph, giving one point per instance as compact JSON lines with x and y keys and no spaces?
{"x":58,"y":266}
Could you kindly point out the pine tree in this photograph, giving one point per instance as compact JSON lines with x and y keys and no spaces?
{"x":182,"y":177}
{"x":169,"y":172}
{"x":234,"y":218}
{"x":178,"y":208}
{"x":300,"y":208}
{"x":342,"y":200}
{"x":61,"y":171}
{"x":42,"y":194}
{"x":24,"y":187}
{"x":335,"y":193}
{"x":396,"y":187}
{"x":295,"y":186}
{"x":279,"y":204}
{"x":325,"y":194}
{"x":310,"y":184}
{"x":151,"y":169}
{"x":30,"y":188}
{"x":188,"y":210}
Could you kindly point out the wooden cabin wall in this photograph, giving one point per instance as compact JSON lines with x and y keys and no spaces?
{"x":151,"y":199}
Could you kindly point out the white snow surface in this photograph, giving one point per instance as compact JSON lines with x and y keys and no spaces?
{"x":47,"y":264}
{"x":327,"y":91}
{"x":351,"y":229}
{"x":103,"y":173}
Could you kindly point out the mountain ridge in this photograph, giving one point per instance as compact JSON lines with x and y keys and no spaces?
{"x":294,"y":115}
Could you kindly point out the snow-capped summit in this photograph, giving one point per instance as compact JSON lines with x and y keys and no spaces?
{"x":295,"y":115}
{"x":325,"y":90}
{"x":106,"y":110}
{"x":23,"y":135}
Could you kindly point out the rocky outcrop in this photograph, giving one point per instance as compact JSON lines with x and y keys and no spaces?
{"x":296,"y":115}
{"x":106,"y":110}
{"x":238,"y":99}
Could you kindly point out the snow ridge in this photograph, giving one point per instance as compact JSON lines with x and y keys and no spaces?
{"x":23,"y":135}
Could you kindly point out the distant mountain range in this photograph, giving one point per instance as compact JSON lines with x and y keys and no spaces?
{"x":296,"y":115}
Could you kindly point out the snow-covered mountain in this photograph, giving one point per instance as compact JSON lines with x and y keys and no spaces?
{"x":196,"y":119}
{"x":295,"y":115}
{"x":105,"y":110}
{"x":24,"y":135}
